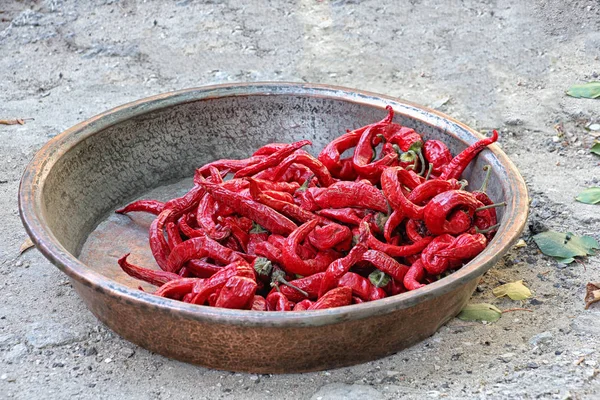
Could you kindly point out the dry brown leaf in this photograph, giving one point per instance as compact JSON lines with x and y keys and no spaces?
{"x":27,"y":244}
{"x":592,"y":293}
{"x":18,"y":121}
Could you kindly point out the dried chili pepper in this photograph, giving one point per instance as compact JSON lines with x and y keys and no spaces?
{"x":364,"y":154}
{"x":434,"y":264}
{"x":237,"y":293}
{"x":199,"y":247}
{"x":437,"y":154}
{"x":465,"y":246}
{"x":292,"y":262}
{"x":455,"y":168}
{"x":301,"y":157}
{"x":361,"y":287}
{"x":385,"y":263}
{"x":153,"y":277}
{"x":414,"y":276}
{"x":395,"y":219}
{"x":303,"y":305}
{"x":329,"y":236}
{"x":338,"y":297}
{"x":258,"y":303}
{"x":398,"y":251}
{"x":309,"y":284}
{"x":158,"y":244}
{"x":206,"y":287}
{"x":439,"y":208}
{"x":149,"y":206}
{"x":177,"y":288}
{"x":271,"y":160}
{"x":276,"y":301}
{"x":350,"y":194}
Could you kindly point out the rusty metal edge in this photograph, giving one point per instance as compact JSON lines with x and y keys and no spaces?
{"x":32,"y":215}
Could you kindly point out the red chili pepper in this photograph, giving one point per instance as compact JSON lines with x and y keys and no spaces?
{"x":395,"y":219}
{"x":434,"y":264}
{"x":414,"y":276}
{"x":208,"y":286}
{"x":330,"y":156}
{"x":266,"y":217}
{"x":429,"y":189}
{"x":385,"y":263}
{"x":289,"y":209}
{"x":328,"y":236}
{"x":364,"y":154}
{"x":269,"y":251}
{"x":202,"y":268}
{"x":437,"y":154}
{"x":303,"y":158}
{"x":237,"y":232}
{"x":361,"y":287}
{"x":394,"y":287}
{"x":271,"y":160}
{"x":398,"y":251}
{"x":187,"y":230}
{"x":205,"y":216}
{"x":292,"y":262}
{"x":351,"y":216}
{"x":339,"y":267}
{"x":350,"y":194}
{"x":338,"y":297}
{"x":199,"y":247}
{"x":186,"y":203}
{"x":173,"y":238}
{"x":414,"y":229}
{"x":177,"y":288}
{"x":455,"y":168}
{"x":465,"y":246}
{"x":288,"y":187}
{"x":406,"y":138}
{"x":237,"y":293}
{"x":158,"y":244}
{"x":439,"y":208}
{"x":303,"y":305}
{"x":277,"y":301}
{"x":392,"y":181}
{"x":309,"y":284}
{"x":153,"y":277}
{"x":258,"y":303}
{"x":347,"y":172}
{"x":149,"y":206}
{"x":269,"y":149}
{"x":229,"y":165}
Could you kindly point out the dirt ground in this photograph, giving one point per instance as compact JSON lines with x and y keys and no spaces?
{"x":492,"y":64}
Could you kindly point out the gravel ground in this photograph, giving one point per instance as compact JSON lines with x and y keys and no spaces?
{"x":491,"y":64}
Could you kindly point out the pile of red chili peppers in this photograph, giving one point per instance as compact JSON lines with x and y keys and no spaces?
{"x":291,"y":232}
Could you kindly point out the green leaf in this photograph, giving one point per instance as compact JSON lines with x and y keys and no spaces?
{"x":568,"y":260}
{"x":589,"y":90}
{"x":565,"y":246}
{"x":480,"y":312}
{"x":589,"y":195}
{"x":379,"y":278}
{"x":596,"y":148}
{"x":514,"y":290}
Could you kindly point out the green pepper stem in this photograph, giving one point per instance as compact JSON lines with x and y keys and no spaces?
{"x":488,"y":172}
{"x":422,"y":159}
{"x":463,"y":184}
{"x":429,"y":169}
{"x":502,"y":204}
{"x":486,"y":230}
{"x":306,"y":183}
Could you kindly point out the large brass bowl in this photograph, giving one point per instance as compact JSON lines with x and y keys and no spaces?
{"x":71,"y":187}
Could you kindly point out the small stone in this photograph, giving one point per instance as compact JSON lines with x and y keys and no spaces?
{"x":392,"y":373}
{"x":506,"y":357}
{"x":535,"y":302}
{"x":587,"y":323}
{"x":108,"y":360}
{"x":90,"y":351}
{"x":594,"y":127}
{"x":17,"y":352}
{"x":541,"y":338}
{"x":58,"y":365}
{"x":532,"y":365}
{"x":3,"y":377}
{"x":340,"y":391}
{"x":49,"y":334}
{"x":127,"y":352}
{"x":555,"y":139}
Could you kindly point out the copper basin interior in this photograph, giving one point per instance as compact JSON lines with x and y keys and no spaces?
{"x":151,"y":148}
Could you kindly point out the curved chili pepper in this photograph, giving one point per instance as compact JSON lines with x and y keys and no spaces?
{"x":269,"y":251}
{"x":392,"y":181}
{"x":385,"y":263}
{"x":347,"y":172}
{"x":437,"y":154}
{"x":208,"y":286}
{"x":439,"y":208}
{"x":455,"y":168}
{"x":330,"y":155}
{"x":328,"y":236}
{"x":361,"y":287}
{"x":303,"y":305}
{"x":429,"y":189}
{"x":351,"y":216}
{"x":258,"y":303}
{"x":309,"y":284}
{"x":414,"y":276}
{"x":289,"y":209}
{"x":339,"y":267}
{"x":201,"y":268}
{"x":229,"y":165}
{"x":173,"y":238}
{"x":149,"y":206}
{"x":199,"y":247}
{"x":271,"y":160}
{"x":395,"y":219}
{"x":350,"y":194}
{"x":465,"y":246}
{"x":398,"y":251}
{"x":276,"y":301}
{"x":237,"y":293}
{"x":414,"y":229}
{"x":158,"y":244}
{"x":269,"y":149}
{"x":338,"y":297}
{"x":288,"y":187}
{"x":237,"y":232}
{"x":153,"y":277}
{"x":363,"y":155}
{"x":265,"y":216}
{"x":301,"y":157}
{"x":406,"y":138}
{"x":185,"y":203}
{"x":187,"y":230}
{"x":177,"y":288}
{"x":292,"y":262}
{"x":434,"y":264}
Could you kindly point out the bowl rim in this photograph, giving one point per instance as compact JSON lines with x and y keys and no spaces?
{"x":32,"y":211}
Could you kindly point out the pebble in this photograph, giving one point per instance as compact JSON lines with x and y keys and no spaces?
{"x":340,"y":391}
{"x":127,"y":352}
{"x":48,"y":334}
{"x":17,"y":352}
{"x":587,"y":323}
{"x":90,"y":351}
{"x":532,"y":365}
{"x":506,"y":357}
{"x":541,"y":338}
{"x":594,"y":127}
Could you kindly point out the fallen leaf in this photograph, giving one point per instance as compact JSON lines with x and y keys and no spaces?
{"x":17,"y":121}
{"x":27,"y":244}
{"x":589,"y":196}
{"x":590,"y":90}
{"x":480,"y":312}
{"x":514,"y":290}
{"x":592,"y":293}
{"x":596,"y":148}
{"x":565,"y":246}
